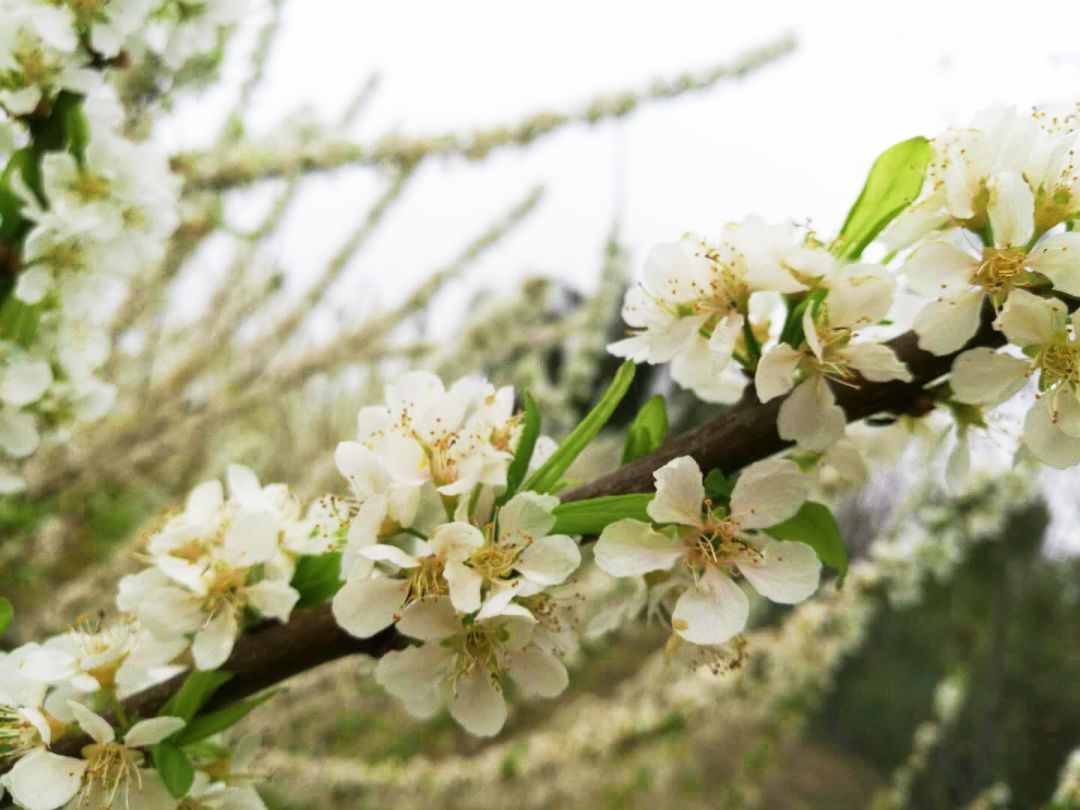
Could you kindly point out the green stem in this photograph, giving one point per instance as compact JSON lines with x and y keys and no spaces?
{"x":753,"y":347}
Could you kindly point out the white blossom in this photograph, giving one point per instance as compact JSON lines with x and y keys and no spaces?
{"x":714,"y":545}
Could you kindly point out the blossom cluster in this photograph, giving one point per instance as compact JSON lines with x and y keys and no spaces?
{"x":214,"y":566}
{"x":83,"y":207}
{"x":990,"y":236}
{"x":434,"y":549}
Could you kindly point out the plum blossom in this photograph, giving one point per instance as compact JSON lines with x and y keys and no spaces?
{"x":461,"y":664}
{"x":479,"y":568}
{"x":861,"y":295}
{"x":959,"y":280}
{"x":1048,"y":336}
{"x":212,"y":562}
{"x":714,"y":545}
{"x":454,"y":438}
{"x":694,"y":301}
{"x":107,"y":770}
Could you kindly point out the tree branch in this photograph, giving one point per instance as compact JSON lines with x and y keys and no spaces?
{"x":742,"y":434}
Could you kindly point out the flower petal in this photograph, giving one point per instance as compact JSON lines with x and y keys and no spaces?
{"x":876,"y":362}
{"x":251,"y":538}
{"x":526,"y":517}
{"x":413,"y":676}
{"x":1047,"y":441}
{"x":1011,"y":209}
{"x":810,"y":416}
{"x":478,"y":704}
{"x":465,"y":584}
{"x":776,"y":371}
{"x":455,"y":541}
{"x":45,"y":781}
{"x":1031,"y":320}
{"x":550,"y":560}
{"x":768,"y":492}
{"x":154,"y":730}
{"x":272,"y":598}
{"x":1058,"y":258}
{"x":680,"y":493}
{"x":713,"y":612}
{"x":429,"y":619}
{"x":787,"y":572}
{"x":939,"y":268}
{"x":93,"y":724}
{"x":981,"y":376}
{"x":946,"y":326}
{"x":629,"y":548}
{"x":538,"y":672}
{"x":363,"y":607}
{"x":213,"y":644}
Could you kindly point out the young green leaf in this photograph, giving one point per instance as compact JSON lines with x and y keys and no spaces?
{"x":22,"y":163}
{"x":317,"y":578}
{"x":530,"y":432}
{"x":648,"y":430}
{"x":592,"y":515}
{"x":546,"y":478}
{"x":19,"y":321}
{"x":895,"y":180}
{"x":718,"y":486}
{"x":207,"y":725}
{"x":174,"y":768}
{"x":815,"y":525}
{"x":197,"y":689}
{"x":7,"y":613}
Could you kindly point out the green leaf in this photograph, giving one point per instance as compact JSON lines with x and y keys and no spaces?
{"x":22,"y":162}
{"x":76,"y":131}
{"x":792,"y":332}
{"x":19,"y":321}
{"x":895,"y":180}
{"x":815,"y":525}
{"x":174,"y":768}
{"x":592,"y":515}
{"x":317,"y":578}
{"x":7,"y":613}
{"x":718,"y":486}
{"x":547,"y":477}
{"x":530,"y":432}
{"x":207,"y":725}
{"x":198,"y":688}
{"x":648,"y":430}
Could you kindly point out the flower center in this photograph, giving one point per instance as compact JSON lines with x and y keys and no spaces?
{"x":226,"y":588}
{"x":726,"y":292}
{"x":112,"y":767}
{"x":18,"y":736}
{"x":719,"y":544}
{"x":1000,"y":269}
{"x":1053,"y":206}
{"x":829,"y":365}
{"x":91,"y":186}
{"x":1059,"y":363}
{"x":479,"y":645}
{"x":427,"y":579}
{"x":493,"y":560}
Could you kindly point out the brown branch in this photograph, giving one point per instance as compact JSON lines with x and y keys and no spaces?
{"x":740,"y":435}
